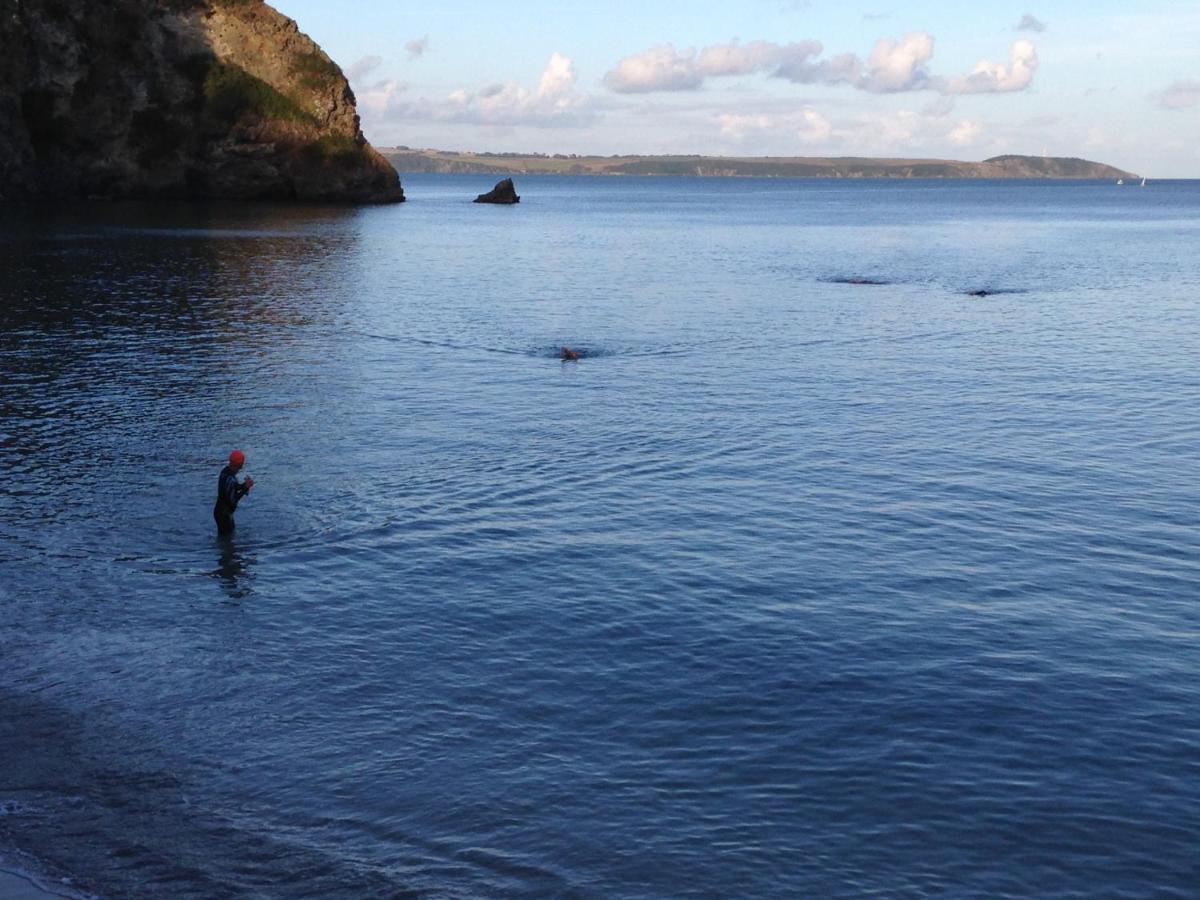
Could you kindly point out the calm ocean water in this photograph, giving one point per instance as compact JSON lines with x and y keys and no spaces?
{"x":791,"y":587}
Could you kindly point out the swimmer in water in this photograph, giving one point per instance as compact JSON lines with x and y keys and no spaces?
{"x":229,"y":492}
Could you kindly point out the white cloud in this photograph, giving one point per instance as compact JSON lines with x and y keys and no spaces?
{"x":809,"y":126}
{"x":660,"y":68}
{"x":737,"y":59}
{"x":965,"y":132}
{"x":738,"y":126}
{"x":363,"y":67}
{"x":813,"y":127}
{"x":909,"y":134}
{"x":894,"y":66}
{"x":663,"y":68}
{"x":1030,"y":22}
{"x":810,"y":131}
{"x":555,"y":102}
{"x":1179,"y":95}
{"x":899,"y":65}
{"x":559,"y":77}
{"x":843,"y":69}
{"x":417,"y":47}
{"x":378,"y":98}
{"x":995,"y":78}
{"x":757,"y":56}
{"x":887,"y":133}
{"x":939,"y":107}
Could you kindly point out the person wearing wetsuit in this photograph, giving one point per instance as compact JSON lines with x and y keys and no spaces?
{"x":229,"y":492}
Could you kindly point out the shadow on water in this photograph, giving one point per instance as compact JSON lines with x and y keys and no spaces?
{"x":990,"y":292}
{"x":233,"y":570}
{"x":883,"y":282}
{"x":182,"y":267}
{"x":870,"y":282}
{"x":439,"y":344}
{"x":139,"y":822}
{"x":541,"y":351}
{"x":574,"y":352}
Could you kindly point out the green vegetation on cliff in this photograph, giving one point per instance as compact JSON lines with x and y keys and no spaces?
{"x":231,"y":92}
{"x":315,"y":71}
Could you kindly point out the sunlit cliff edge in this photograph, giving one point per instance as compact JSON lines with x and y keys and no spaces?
{"x":215,"y":99}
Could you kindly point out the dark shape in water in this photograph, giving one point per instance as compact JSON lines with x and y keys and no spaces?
{"x":229,"y":492}
{"x":566,"y":353}
{"x":233,"y":571}
{"x":503,"y":192}
{"x":870,"y":281}
{"x":979,"y":293}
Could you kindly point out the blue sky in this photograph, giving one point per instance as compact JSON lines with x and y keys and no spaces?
{"x":1115,"y":82}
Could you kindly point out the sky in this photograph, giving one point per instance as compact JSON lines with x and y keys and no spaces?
{"x":1115,"y":82}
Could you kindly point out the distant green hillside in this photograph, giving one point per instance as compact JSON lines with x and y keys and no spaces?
{"x":1010,"y":166}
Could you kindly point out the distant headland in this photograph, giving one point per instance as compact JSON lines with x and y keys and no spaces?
{"x":211,"y":99}
{"x":1009,"y":166}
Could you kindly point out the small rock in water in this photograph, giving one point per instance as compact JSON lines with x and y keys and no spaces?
{"x":503,"y":192}
{"x":567,"y":353}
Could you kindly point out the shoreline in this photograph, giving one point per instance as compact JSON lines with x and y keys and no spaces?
{"x":22,"y":879}
{"x":407,"y":161}
{"x":33,"y":733}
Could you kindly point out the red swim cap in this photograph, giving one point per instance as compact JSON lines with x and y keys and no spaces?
{"x":237,"y":458}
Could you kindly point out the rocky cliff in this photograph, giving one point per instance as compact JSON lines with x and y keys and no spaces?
{"x":176,"y":98}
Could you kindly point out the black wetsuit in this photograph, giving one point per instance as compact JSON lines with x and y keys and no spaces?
{"x":229,"y":492}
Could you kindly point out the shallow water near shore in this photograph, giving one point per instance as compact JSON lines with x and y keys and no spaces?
{"x":819,"y":574}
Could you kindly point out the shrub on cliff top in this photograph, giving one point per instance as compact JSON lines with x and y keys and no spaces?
{"x":238,"y":5}
{"x":189,"y":5}
{"x":316,"y":71}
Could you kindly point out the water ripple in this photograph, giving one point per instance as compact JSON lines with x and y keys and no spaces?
{"x":784,"y":590}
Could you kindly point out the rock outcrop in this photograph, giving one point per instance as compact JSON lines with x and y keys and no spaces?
{"x":503,"y":192}
{"x":222,"y":99}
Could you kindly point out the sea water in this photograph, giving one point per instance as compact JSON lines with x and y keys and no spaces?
{"x":857,"y":555}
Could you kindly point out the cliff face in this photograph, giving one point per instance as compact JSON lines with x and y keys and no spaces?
{"x":176,"y":98}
